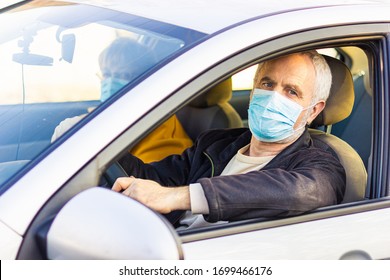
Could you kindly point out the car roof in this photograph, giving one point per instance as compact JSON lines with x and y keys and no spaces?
{"x":211,"y":16}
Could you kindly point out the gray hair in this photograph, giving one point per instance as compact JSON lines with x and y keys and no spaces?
{"x":323,"y":81}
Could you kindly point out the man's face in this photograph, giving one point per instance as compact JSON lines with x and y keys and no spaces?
{"x":292,"y":76}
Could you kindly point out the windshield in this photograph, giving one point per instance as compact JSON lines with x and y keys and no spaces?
{"x":61,"y":60}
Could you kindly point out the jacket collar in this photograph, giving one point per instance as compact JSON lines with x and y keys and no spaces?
{"x":222,"y":151}
{"x":304,"y":141}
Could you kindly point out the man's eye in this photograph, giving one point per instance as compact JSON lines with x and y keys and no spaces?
{"x":267,"y":85}
{"x":293,"y":92}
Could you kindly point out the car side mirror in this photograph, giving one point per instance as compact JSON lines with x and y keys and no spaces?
{"x":101,"y":224}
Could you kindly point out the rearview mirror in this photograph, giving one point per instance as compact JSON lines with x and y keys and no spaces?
{"x":67,"y":47}
{"x":102,"y":224}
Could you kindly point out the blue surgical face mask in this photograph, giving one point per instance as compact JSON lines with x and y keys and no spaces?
{"x":109,"y":86}
{"x":272,"y":116}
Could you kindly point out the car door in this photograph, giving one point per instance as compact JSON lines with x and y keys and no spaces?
{"x":331,"y":233}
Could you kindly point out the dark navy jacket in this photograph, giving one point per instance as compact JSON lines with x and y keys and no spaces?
{"x":304,"y":176}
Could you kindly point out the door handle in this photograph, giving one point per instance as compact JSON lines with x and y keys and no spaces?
{"x":356,"y":255}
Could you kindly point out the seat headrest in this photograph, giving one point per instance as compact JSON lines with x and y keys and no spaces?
{"x":219,"y":93}
{"x":341,"y":97}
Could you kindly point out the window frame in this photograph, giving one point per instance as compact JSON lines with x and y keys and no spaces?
{"x":374,"y":202}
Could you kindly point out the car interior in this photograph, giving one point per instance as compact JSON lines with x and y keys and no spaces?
{"x":333,"y":126}
{"x":210,"y":110}
{"x":345,"y":124}
{"x":339,"y":106}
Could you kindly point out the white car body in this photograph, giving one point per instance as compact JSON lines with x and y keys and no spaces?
{"x":321,"y":235}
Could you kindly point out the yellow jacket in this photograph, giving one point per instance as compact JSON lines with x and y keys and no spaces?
{"x":167,"y":139}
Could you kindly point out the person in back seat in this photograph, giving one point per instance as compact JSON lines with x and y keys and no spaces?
{"x":272,"y":169}
{"x":122,"y":61}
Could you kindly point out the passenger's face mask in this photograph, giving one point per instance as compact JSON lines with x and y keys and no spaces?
{"x":109,"y":86}
{"x":272,"y":116}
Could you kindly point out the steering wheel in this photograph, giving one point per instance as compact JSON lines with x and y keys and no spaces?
{"x":115,"y":171}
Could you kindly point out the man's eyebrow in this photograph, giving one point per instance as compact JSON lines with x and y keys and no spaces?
{"x":266,"y":78}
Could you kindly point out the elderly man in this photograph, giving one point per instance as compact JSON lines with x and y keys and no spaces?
{"x":272,"y":169}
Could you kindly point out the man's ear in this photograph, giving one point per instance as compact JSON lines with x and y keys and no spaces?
{"x":316,"y":110}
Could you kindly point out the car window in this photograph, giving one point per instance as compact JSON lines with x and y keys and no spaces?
{"x":356,"y":129}
{"x":55,"y":64}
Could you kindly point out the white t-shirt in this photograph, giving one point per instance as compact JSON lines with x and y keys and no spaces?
{"x":67,"y":123}
{"x":64,"y":126}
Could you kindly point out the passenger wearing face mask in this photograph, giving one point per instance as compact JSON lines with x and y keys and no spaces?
{"x":272,"y":169}
{"x":120,"y":63}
